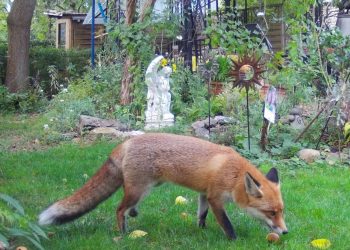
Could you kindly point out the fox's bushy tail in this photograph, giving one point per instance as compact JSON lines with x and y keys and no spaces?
{"x":102,"y":185}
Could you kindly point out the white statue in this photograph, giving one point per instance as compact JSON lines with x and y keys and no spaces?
{"x":158,"y":96}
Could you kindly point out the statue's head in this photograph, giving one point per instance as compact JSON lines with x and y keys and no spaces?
{"x":167,"y":71}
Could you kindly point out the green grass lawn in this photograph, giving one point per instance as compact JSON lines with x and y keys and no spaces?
{"x":19,"y":132}
{"x":317,"y":201}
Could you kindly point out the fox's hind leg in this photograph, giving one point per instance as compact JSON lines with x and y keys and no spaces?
{"x":202,"y":210}
{"x":132,"y":195}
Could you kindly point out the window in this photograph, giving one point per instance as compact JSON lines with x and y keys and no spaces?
{"x":62,"y":35}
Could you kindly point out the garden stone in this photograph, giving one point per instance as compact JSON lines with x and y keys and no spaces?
{"x":285,"y":120}
{"x":309,"y":155}
{"x":291,"y":118}
{"x":113,"y":133}
{"x":298,"y":123}
{"x":89,"y":123}
{"x":198,"y":124}
{"x":333,"y":158}
{"x":216,"y":130}
{"x":128,"y":134}
{"x":224,"y":120}
{"x":201,"y":133}
{"x":104,"y":131}
{"x":213,"y":122}
{"x":296,"y":111}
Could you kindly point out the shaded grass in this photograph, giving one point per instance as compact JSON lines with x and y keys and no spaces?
{"x":316,"y":199}
{"x":18,"y":132}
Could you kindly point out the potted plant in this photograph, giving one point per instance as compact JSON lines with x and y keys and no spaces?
{"x":223,"y":65}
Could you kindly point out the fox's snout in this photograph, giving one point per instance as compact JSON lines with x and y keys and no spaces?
{"x":279,"y":230}
{"x":278,"y":226}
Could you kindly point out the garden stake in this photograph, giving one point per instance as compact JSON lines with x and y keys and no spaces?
{"x":309,"y":125}
{"x":209,"y":83}
{"x":247,"y":90}
{"x":324,"y":128}
{"x":93,"y":34}
{"x":242,"y":67}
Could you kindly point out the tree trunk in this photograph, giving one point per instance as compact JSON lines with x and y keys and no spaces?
{"x":146,"y":9}
{"x":18,"y":23}
{"x":125,"y":93}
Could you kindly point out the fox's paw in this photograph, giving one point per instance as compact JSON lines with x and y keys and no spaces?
{"x":202,"y":224}
{"x":133,"y":212}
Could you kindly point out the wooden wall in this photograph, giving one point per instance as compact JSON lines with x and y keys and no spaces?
{"x":276,"y":35}
{"x":77,"y":34}
{"x":82,"y":35}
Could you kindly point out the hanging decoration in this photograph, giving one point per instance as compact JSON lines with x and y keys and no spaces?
{"x":246,"y":73}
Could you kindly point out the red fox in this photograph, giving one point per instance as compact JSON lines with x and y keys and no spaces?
{"x":217,"y":172}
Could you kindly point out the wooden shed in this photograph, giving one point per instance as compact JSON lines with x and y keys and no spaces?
{"x":72,"y":33}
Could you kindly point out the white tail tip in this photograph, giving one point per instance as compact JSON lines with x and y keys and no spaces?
{"x":49,"y":215}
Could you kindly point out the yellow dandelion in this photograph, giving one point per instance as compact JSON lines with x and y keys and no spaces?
{"x":321,"y":243}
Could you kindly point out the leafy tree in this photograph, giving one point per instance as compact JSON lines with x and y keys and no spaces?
{"x":3,"y":26}
{"x":125,"y":94}
{"x":42,"y":24}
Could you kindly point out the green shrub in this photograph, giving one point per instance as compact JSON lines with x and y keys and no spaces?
{"x":15,"y":224}
{"x":26,"y":102}
{"x":69,"y":64}
{"x":189,"y":95}
{"x":65,"y":109}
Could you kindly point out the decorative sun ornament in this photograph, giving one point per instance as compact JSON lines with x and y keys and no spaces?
{"x":247,"y":72}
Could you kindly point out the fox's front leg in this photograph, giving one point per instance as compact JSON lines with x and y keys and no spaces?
{"x":202,"y":210}
{"x":217,"y":206}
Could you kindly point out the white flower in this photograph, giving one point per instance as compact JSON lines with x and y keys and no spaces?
{"x":65,"y":90}
{"x":46,"y":126}
{"x":61,"y":100}
{"x":51,"y":120}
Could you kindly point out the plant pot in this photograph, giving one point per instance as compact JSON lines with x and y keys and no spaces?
{"x":263,"y":91}
{"x":216,"y":88}
{"x":281,"y":92}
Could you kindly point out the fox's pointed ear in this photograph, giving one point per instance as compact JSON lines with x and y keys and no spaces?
{"x":252,"y":186}
{"x":272,"y":176}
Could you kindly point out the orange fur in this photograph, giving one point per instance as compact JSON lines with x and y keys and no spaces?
{"x":217,"y":172}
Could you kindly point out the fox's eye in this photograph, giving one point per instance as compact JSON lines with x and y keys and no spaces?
{"x":273,"y":213}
